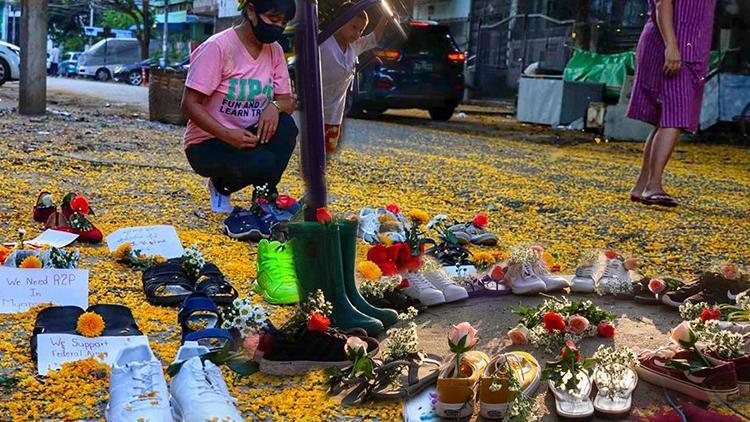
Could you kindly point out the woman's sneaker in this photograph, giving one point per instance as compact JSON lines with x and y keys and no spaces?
{"x":552,"y":282}
{"x":220,"y":203}
{"x":452,"y":291}
{"x":584,"y":280}
{"x":455,"y":395}
{"x":524,"y":281}
{"x":137,"y":388}
{"x":614,"y":276}
{"x":421,"y":289}
{"x":494,"y":401}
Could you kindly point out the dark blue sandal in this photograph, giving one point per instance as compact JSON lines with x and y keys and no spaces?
{"x":198,"y":312}
{"x":212,"y":282}
{"x":166,"y":284}
{"x":213,"y":338}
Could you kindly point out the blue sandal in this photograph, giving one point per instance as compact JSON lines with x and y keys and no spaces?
{"x":199,"y":312}
{"x":213,"y":338}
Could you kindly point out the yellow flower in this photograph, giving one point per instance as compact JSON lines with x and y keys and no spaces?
{"x":31,"y":261}
{"x":387,"y":241}
{"x":548,"y":260}
{"x":386,"y":218}
{"x":122,"y":251}
{"x":369,"y":270}
{"x":419,"y":216}
{"x":159,"y":259}
{"x":90,"y":324}
{"x":483,"y":259}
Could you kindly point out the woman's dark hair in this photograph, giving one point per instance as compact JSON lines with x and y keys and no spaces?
{"x":348,"y":5}
{"x":284,"y":7}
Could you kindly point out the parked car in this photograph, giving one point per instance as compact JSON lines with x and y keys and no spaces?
{"x":103,"y":57}
{"x":69,"y":64}
{"x":133,"y":73}
{"x":423,"y":71}
{"x":10,"y":62}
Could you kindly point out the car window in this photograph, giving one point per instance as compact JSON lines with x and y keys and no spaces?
{"x":435,"y":41}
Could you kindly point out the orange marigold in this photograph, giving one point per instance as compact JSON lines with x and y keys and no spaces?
{"x":31,"y":261}
{"x":419,"y":216}
{"x":122,"y":251}
{"x":369,"y":270}
{"x":90,"y":324}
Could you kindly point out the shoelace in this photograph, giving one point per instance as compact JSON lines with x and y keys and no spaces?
{"x":420,"y":281}
{"x":143,"y":384}
{"x":613,"y":270}
{"x":585,"y":272}
{"x":439,"y":280}
{"x":208,"y":386}
{"x":527,"y":270}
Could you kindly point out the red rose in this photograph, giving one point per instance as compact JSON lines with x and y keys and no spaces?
{"x":498,"y":273}
{"x":80,"y":204}
{"x":572,"y":346}
{"x":322,"y":215}
{"x":711,"y":313}
{"x":388,"y":268}
{"x":378,"y":254}
{"x":605,"y":329}
{"x":285,"y":201}
{"x":480,"y":220}
{"x":318,"y":322}
{"x":610,"y":254}
{"x":393,"y":208}
{"x":404,"y":284}
{"x":554,"y":322}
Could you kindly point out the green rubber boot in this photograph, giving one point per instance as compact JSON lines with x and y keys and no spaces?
{"x":348,"y":236}
{"x":277,"y":277}
{"x":317,"y":257}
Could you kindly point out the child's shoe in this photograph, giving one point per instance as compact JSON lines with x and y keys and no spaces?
{"x":584,"y":280}
{"x":524,"y":281}
{"x":552,"y":282}
{"x":44,"y":207}
{"x":455,"y":395}
{"x":451,"y":291}
{"x":422,"y":290}
{"x":519,"y":365}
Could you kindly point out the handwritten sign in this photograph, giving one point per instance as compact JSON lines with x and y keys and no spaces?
{"x":20,"y":289}
{"x":54,"y":238}
{"x":55,"y":349}
{"x":150,"y":240}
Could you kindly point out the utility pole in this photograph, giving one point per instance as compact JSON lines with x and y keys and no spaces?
{"x":33,"y":90}
{"x":91,"y":24}
{"x":165,"y":36}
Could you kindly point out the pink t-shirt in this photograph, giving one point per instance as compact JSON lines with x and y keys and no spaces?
{"x":237,"y":86}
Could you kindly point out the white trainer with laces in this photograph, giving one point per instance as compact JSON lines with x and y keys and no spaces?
{"x":583,"y":281}
{"x":442,"y":281}
{"x":551,"y":281}
{"x":421,"y":289}
{"x":137,"y":388}
{"x":614,"y":275}
{"x":524,"y":281}
{"x":220,"y":203}
{"x":199,"y":392}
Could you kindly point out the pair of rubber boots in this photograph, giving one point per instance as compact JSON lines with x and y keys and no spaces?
{"x":325,"y":258}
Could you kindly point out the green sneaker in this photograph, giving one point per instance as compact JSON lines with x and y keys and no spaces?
{"x":277,"y":278}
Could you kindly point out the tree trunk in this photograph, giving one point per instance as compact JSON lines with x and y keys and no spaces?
{"x":146,"y":32}
{"x":32,"y":99}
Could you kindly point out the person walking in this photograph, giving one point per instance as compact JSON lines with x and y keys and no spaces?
{"x":671,"y":66}
{"x":54,"y":60}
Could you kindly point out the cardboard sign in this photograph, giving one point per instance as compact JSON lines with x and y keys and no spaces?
{"x":20,"y":289}
{"x":55,"y":349}
{"x":150,"y":240}
{"x":54,"y":238}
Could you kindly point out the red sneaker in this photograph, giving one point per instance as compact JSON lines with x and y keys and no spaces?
{"x":716,"y":383}
{"x":44,"y":207}
{"x":742,"y":368}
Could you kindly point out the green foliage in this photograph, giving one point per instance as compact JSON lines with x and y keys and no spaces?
{"x":565,"y":372}
{"x":117,"y":20}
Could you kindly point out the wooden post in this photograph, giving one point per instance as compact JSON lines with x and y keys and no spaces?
{"x":32,"y":98}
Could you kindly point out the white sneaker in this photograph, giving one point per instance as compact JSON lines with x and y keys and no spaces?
{"x":199,"y":392}
{"x":553,"y":282}
{"x":526,"y":281}
{"x":442,"y":281}
{"x":368,"y":225}
{"x":137,"y":388}
{"x":614,"y":275}
{"x":583,"y":281}
{"x":220,"y":203}
{"x":422,"y":290}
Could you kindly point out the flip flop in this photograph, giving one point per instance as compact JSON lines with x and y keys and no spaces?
{"x":660,"y":199}
{"x":635,"y":198}
{"x":422,"y":372}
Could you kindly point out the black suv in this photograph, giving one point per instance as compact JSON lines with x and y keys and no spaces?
{"x":423,"y":71}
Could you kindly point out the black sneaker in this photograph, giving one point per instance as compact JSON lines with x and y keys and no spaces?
{"x":708,"y":287}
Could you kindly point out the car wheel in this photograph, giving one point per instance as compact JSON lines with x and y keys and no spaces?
{"x":441,"y":114}
{"x":135,"y":78}
{"x":4,"y":71}
{"x":102,"y":75}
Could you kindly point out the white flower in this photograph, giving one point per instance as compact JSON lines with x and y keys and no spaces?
{"x":237,"y":303}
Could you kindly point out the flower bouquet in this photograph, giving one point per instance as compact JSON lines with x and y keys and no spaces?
{"x":133,"y":258}
{"x":557,"y":321}
{"x":448,"y":249}
{"x":44,"y":258}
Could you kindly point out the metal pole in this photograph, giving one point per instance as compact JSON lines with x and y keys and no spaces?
{"x":91,"y":23}
{"x":32,"y":98}
{"x":312,"y":147}
{"x":165,"y":36}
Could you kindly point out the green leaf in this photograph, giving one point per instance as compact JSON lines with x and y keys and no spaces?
{"x":333,"y":372}
{"x":243,"y":367}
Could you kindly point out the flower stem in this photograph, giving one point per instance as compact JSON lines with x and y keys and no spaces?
{"x":458,"y":365}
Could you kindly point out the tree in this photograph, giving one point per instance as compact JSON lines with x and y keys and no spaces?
{"x":140,"y":12}
{"x":116,"y":20}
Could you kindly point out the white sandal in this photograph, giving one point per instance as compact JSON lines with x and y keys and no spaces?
{"x":614,"y":397}
{"x":574,"y":405}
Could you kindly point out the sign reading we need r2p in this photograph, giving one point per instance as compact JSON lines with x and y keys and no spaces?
{"x":23,"y":288}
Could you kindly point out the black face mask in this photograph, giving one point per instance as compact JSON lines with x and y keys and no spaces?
{"x":267,"y":33}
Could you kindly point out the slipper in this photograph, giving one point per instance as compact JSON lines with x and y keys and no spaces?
{"x":416,"y":374}
{"x":635,"y":198}
{"x":574,"y":405}
{"x":618,"y":404}
{"x":660,"y":199}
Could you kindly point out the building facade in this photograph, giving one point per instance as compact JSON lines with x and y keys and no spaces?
{"x":453,"y":13}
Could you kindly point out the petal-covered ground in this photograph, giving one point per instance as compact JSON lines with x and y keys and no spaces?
{"x":134,"y":173}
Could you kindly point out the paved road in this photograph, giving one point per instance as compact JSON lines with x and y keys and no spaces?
{"x":112,"y":91}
